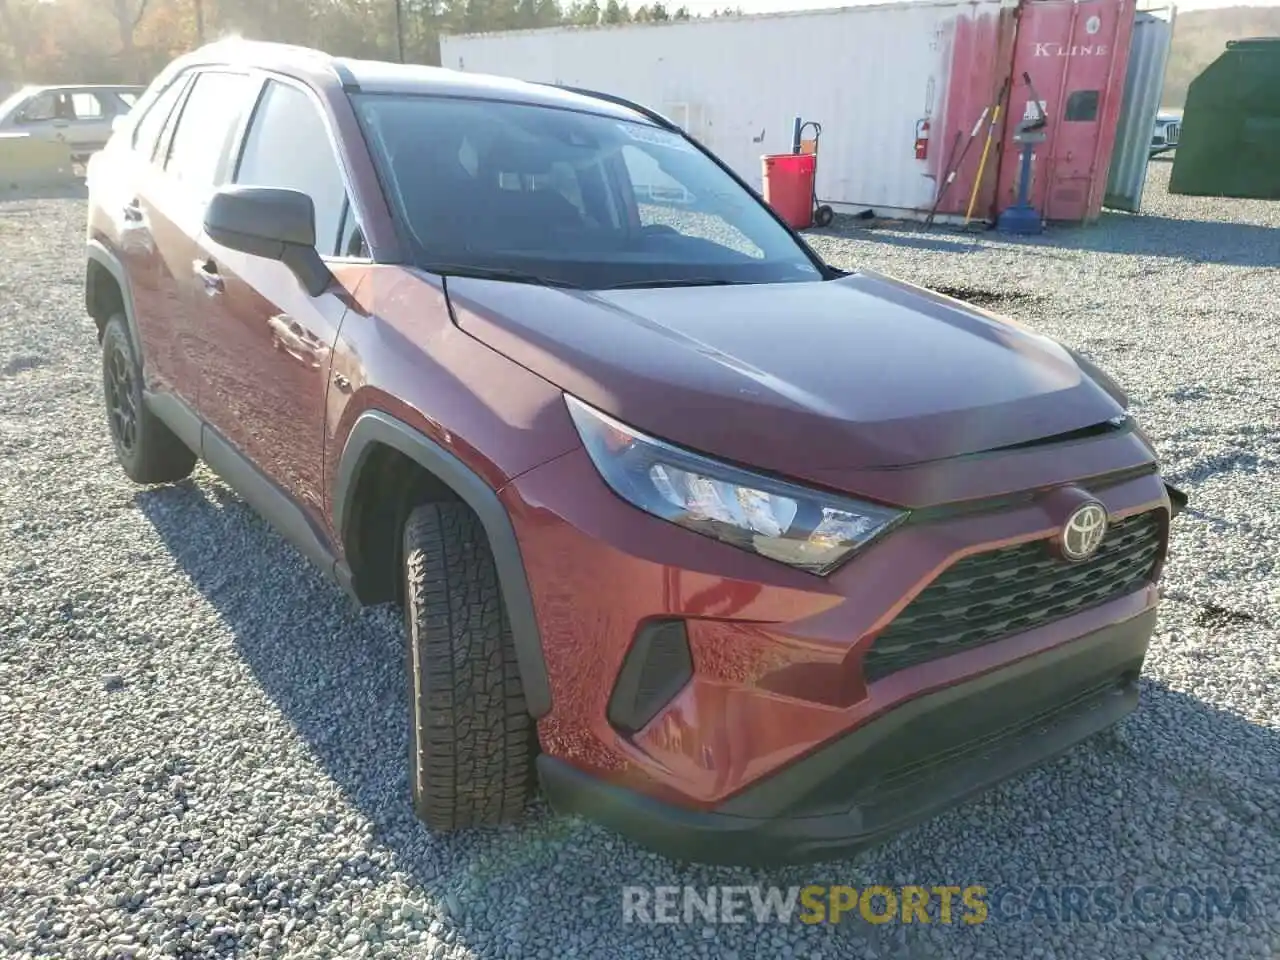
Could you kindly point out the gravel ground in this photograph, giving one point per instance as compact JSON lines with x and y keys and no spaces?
{"x":203,"y":746}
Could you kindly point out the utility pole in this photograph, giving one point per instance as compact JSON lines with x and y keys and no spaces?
{"x":399,"y":31}
{"x":199,"y":23}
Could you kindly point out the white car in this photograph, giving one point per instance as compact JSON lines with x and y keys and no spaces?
{"x":1167,"y":132}
{"x":80,"y":116}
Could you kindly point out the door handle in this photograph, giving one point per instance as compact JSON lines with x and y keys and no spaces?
{"x":133,"y":212}
{"x":207,"y":271}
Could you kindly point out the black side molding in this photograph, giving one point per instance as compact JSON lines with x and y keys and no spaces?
{"x":256,"y":488}
{"x":179,"y":418}
{"x":272,"y":503}
{"x":374,"y":426}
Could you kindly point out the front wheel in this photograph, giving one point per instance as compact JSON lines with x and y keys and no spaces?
{"x":473,"y":741}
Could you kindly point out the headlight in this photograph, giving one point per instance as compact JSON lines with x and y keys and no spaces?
{"x":804,"y":528}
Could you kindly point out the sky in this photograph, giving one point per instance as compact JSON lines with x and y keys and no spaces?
{"x":765,"y":6}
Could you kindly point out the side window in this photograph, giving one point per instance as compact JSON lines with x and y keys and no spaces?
{"x":564,"y":180}
{"x":663,"y":201}
{"x":351,"y":242}
{"x":146,"y":133}
{"x":288,"y":147}
{"x":87,"y":106}
{"x":200,"y":151}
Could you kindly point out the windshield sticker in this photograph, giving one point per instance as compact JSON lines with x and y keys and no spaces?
{"x":656,"y":136}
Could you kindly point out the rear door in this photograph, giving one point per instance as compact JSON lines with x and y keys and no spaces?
{"x":143,"y":238}
{"x":269,"y":341}
{"x":90,"y":125}
{"x":191,"y":159}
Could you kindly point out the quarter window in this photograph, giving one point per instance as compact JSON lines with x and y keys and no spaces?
{"x":288,"y":147}
{"x":199,"y":154}
{"x":147,"y":132}
{"x":351,"y":242}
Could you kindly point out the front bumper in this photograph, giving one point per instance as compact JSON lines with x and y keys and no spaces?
{"x":909,"y":764}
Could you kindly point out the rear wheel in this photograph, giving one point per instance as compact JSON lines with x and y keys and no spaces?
{"x":473,"y":741}
{"x":148,"y":450}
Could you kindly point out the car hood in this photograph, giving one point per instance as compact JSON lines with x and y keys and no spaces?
{"x":806,"y":379}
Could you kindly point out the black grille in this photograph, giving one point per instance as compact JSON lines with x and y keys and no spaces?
{"x":989,"y":596}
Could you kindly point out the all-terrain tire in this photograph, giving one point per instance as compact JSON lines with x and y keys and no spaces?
{"x":473,"y":741}
{"x":148,"y":450}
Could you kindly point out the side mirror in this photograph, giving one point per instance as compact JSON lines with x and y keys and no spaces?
{"x":272,"y":223}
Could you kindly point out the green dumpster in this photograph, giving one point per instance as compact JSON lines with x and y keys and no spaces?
{"x":1230,"y":143}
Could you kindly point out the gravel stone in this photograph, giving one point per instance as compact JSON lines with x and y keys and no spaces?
{"x":204,"y":746}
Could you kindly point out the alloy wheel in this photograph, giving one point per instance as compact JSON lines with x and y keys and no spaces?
{"x":121,"y":406}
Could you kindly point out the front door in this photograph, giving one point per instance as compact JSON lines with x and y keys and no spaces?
{"x":1075,"y":53}
{"x":269,"y":342}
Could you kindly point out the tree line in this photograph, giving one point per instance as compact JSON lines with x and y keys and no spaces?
{"x":129,"y":41}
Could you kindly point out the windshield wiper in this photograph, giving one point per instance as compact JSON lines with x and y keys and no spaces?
{"x":494,"y":273}
{"x":682,"y":282}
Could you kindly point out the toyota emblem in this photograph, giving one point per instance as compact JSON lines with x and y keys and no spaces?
{"x":1083,"y":532}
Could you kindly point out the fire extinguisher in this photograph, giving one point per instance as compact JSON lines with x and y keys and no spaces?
{"x":922,"y":139}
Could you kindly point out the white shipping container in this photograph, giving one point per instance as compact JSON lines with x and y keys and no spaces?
{"x":870,"y":75}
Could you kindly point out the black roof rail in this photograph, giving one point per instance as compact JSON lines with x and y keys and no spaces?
{"x":644,"y":111}
{"x":345,"y":76}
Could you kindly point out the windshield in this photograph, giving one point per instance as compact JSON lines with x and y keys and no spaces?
{"x":11,"y":102}
{"x":568,"y":197}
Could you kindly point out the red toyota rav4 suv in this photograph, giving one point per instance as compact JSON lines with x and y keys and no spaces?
{"x":743,"y":555}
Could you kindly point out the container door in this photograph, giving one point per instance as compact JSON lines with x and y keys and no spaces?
{"x":1068,"y":49}
{"x":1143,"y":89}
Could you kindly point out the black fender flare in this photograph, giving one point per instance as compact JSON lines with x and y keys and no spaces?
{"x":375,"y":426}
{"x":97,"y":252}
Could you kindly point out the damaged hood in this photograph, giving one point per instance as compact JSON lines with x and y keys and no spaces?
{"x":805,"y":379}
